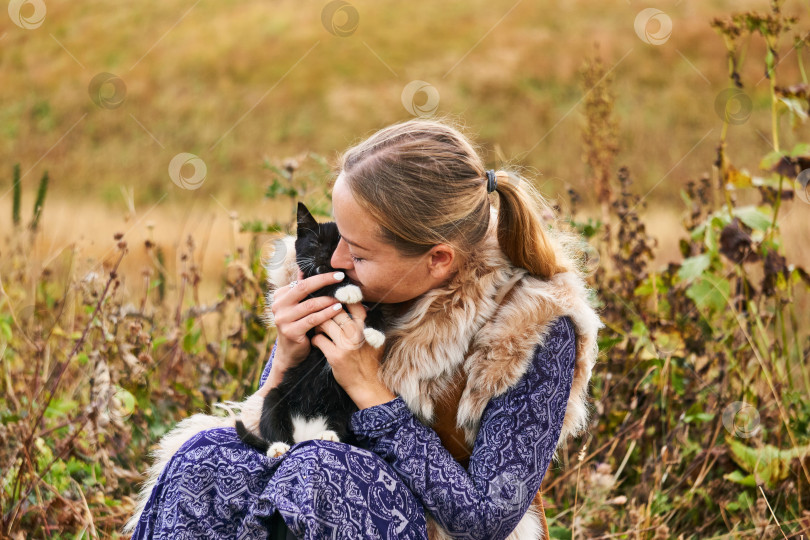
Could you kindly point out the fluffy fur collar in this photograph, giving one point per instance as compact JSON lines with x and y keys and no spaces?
{"x":469,"y":324}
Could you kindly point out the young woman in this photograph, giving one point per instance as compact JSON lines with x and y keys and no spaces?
{"x":490,"y":343}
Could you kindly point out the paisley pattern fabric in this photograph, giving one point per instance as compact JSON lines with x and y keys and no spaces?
{"x":215,"y":486}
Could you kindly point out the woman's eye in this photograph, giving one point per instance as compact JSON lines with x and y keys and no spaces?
{"x":356,"y":259}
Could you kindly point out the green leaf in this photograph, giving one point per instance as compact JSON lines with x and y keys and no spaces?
{"x":158,"y":341}
{"x":800,"y":149}
{"x":710,"y":292}
{"x":753,"y":217}
{"x":605,"y":343}
{"x":694,"y":266}
{"x":646,"y":286}
{"x":563,"y":533}
{"x":5,"y":328}
{"x":640,"y":330}
{"x":743,"y":502}
{"x":711,"y":239}
{"x":704,"y":417}
{"x":190,"y":340}
{"x":771,"y":180}
{"x":770,"y":160}
{"x":643,"y":341}
{"x":769,"y":463}
{"x":685,"y":198}
{"x":797,"y":108}
{"x":739,"y":478}
{"x":60,"y":407}
{"x":698,"y":231}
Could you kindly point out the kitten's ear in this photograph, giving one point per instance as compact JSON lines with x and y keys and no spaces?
{"x":305,"y":219}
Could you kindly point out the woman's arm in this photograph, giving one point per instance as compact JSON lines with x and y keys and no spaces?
{"x":268,"y":366}
{"x":514,"y":446}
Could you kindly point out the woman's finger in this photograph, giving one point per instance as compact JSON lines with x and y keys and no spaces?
{"x":358,"y":312}
{"x":324,"y":344}
{"x":307,"y":307}
{"x":302,"y":326}
{"x":307,"y":286}
{"x":344,"y":330}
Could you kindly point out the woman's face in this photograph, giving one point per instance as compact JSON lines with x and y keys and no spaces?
{"x":382,"y":274}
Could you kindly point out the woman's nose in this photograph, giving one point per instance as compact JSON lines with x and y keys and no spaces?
{"x":340,"y":258}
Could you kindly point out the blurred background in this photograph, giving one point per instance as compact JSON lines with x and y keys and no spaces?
{"x":104,"y":95}
{"x":150,"y":153}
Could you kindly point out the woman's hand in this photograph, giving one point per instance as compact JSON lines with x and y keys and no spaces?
{"x":294,"y":318}
{"x":354,"y":362}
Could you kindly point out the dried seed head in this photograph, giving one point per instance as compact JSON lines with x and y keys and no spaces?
{"x":290,"y":165}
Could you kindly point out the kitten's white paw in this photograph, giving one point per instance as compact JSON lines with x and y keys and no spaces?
{"x":349,"y":294}
{"x":277,"y":449}
{"x":329,"y":435}
{"x":375,"y":338}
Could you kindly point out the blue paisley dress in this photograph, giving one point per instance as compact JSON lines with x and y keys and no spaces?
{"x":215,"y":486}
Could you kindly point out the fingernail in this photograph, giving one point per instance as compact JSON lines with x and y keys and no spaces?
{"x":339,"y":276}
{"x":336,"y":307}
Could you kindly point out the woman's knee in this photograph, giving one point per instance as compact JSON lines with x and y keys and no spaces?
{"x":215,"y":461}
{"x":353,"y":484}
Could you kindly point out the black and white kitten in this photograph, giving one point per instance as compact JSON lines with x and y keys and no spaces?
{"x":309,"y":403}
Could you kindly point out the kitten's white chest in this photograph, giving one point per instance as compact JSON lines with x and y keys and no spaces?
{"x":304,"y":430}
{"x":309,"y":429}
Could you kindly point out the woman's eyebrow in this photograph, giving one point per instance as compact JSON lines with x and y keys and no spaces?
{"x":358,"y":246}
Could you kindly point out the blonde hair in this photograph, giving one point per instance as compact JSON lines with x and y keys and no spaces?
{"x":424,"y":183}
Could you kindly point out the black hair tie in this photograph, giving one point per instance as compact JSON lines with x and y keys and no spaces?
{"x":492,"y":182}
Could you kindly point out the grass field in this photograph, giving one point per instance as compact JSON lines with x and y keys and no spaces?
{"x":234,"y":84}
{"x":702,"y":282}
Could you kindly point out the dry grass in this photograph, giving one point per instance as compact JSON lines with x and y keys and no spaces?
{"x":165,"y":329}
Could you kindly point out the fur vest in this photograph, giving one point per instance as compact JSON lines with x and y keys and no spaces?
{"x":455,"y":349}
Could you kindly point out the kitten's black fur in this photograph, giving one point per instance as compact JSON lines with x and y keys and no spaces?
{"x":309,"y":389}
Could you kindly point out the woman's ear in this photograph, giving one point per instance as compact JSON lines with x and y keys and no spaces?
{"x":442,"y":260}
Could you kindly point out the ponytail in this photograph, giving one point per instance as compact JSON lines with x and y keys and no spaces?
{"x":522,"y":232}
